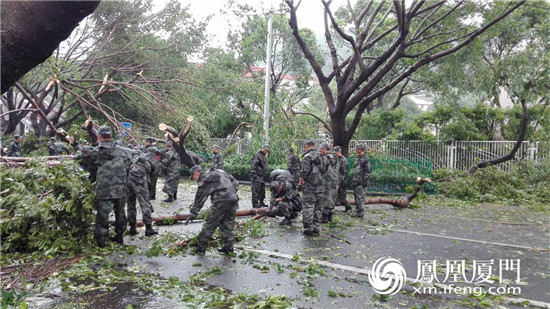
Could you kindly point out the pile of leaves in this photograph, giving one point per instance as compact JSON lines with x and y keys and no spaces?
{"x":526,"y":182}
{"x":46,"y":210}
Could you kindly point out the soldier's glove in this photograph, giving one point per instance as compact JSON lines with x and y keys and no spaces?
{"x":189,"y":219}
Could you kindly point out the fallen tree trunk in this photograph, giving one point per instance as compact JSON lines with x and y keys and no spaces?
{"x":403,"y":202}
{"x":182,"y":217}
{"x":178,"y":139}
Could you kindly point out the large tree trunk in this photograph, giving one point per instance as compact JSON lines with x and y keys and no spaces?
{"x":339,"y":133}
{"x":187,"y":158}
{"x":32,"y":30}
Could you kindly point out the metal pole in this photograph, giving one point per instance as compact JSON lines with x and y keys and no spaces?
{"x":267,"y":78}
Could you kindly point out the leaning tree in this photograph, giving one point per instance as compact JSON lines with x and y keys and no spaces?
{"x":376,"y":46}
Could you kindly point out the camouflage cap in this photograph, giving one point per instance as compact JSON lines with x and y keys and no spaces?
{"x":216,"y":146}
{"x":169,"y":144}
{"x":336,"y":149}
{"x":195,"y":169}
{"x":266,"y":147}
{"x":309,"y":141}
{"x":84,"y":141}
{"x":360,"y":146}
{"x":150,"y":140}
{"x":326,"y":146}
{"x":159,"y":153}
{"x":274,"y":186}
{"x":291,"y":149}
{"x":52,"y":138}
{"x":16,"y":136}
{"x":104,"y":130}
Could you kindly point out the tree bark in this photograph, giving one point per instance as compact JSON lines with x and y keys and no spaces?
{"x":186,"y":157}
{"x":32,"y":30}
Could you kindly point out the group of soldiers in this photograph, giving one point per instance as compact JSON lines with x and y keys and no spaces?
{"x":124,"y":176}
{"x":322,"y":179}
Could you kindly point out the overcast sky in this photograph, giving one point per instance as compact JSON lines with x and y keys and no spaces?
{"x":310,"y":14}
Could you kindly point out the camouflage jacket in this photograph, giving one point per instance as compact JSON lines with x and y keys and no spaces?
{"x":171,"y":165}
{"x":156,"y":166}
{"x":259,"y":167}
{"x":217,"y":161}
{"x":14,"y":149}
{"x":331,"y":177}
{"x":343,"y":168}
{"x":288,"y":193}
{"x":56,"y":149}
{"x":312,"y":169}
{"x":361,"y":171}
{"x":141,"y":169}
{"x":293,"y":163}
{"x":281,"y":175}
{"x":112,"y":164}
{"x":219,"y":186}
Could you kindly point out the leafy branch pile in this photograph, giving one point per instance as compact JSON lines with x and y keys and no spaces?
{"x":47,"y":209}
{"x":525,"y":182}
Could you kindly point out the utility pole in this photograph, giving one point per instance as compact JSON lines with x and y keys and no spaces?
{"x":267,"y":78}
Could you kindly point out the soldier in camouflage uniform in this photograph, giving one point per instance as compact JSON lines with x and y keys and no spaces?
{"x":293,"y":165}
{"x":341,"y":198}
{"x":57,"y":149}
{"x":217,"y":158}
{"x":257,"y":177}
{"x":285,"y":201}
{"x":14,"y":149}
{"x":171,"y":167}
{"x":331,"y":183}
{"x":312,"y":184}
{"x":138,"y":189}
{"x":85,"y":161}
{"x":360,"y":180}
{"x":112,"y":163}
{"x":222,"y":189}
{"x":156,"y":168}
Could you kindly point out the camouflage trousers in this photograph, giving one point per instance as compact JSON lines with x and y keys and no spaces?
{"x":222,"y":216}
{"x":288,"y":210}
{"x":329,"y":199}
{"x":104,"y":208}
{"x":153,"y":186}
{"x":171,"y":185}
{"x":359,"y":193}
{"x":341,"y":194}
{"x":312,"y":209}
{"x":137,"y":190}
{"x":258,"y":193}
{"x":296,"y":175}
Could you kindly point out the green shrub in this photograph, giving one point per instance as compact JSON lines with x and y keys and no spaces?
{"x":526,"y":181}
{"x":46,"y":209}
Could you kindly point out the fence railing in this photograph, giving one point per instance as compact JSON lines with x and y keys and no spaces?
{"x":456,"y":154}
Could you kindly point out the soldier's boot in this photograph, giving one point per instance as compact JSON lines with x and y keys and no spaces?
{"x":132,"y":231}
{"x":330,"y":216}
{"x":348,"y":207}
{"x":149,"y":230}
{"x":286,"y":221}
{"x":152,"y":197}
{"x":316,"y":232}
{"x":324,"y":218}
{"x":226,"y":249}
{"x":200,"y":249}
{"x":170,"y":199}
{"x":357,"y":215}
{"x":175,"y":196}
{"x":118,"y":239}
{"x":293,"y":215}
{"x":100,"y":242}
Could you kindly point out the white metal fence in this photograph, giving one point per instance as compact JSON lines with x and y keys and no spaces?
{"x":457,"y":154}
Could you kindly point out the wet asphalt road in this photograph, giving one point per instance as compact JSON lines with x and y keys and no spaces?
{"x":433,"y":231}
